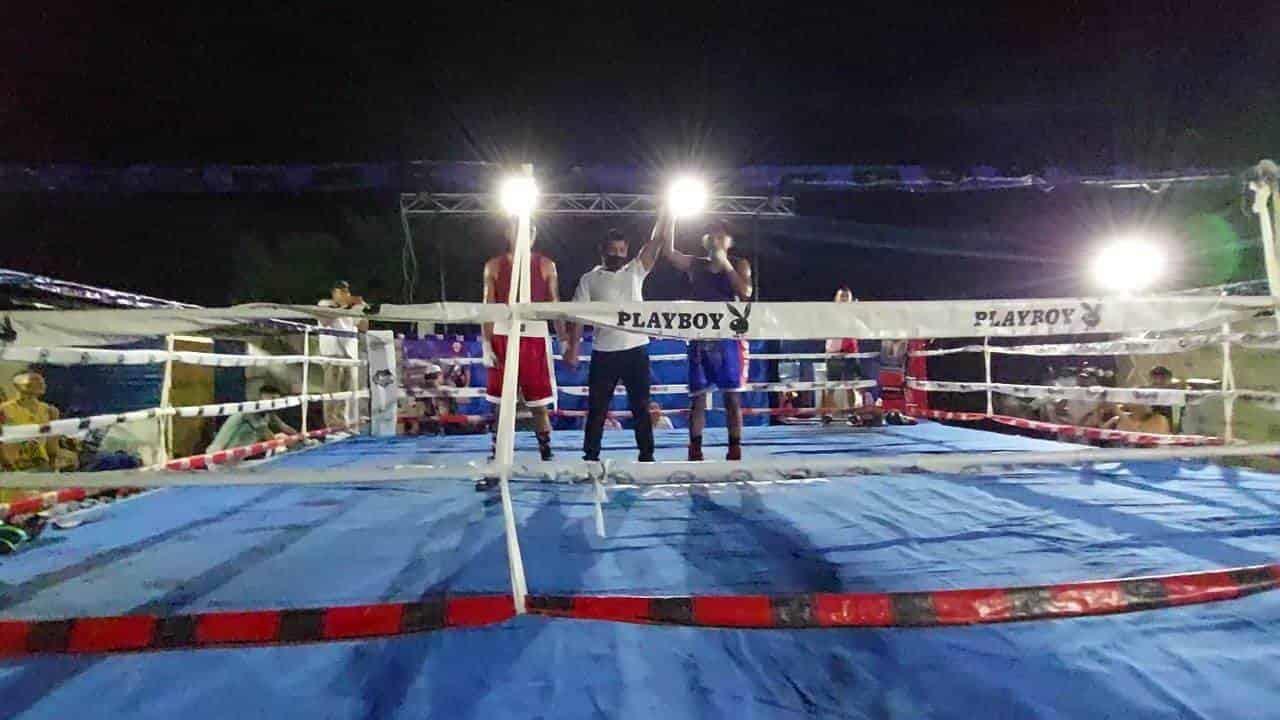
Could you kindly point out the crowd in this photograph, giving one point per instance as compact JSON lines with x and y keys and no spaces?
{"x":1084,"y":412}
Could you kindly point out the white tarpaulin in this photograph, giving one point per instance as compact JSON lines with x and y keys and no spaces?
{"x":62,"y":328}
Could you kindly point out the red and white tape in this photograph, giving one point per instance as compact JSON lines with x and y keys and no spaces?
{"x":236,"y":454}
{"x":80,"y":425}
{"x":1074,"y":431}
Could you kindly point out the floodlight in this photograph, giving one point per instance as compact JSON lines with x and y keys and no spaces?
{"x":1128,"y":264}
{"x":518,"y":194}
{"x":687,"y":197}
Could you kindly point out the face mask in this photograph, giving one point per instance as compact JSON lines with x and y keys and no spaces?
{"x":614,"y":262}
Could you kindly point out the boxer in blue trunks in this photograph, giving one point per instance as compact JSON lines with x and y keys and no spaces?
{"x":720,"y":364}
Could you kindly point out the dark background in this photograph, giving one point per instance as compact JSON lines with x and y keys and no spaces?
{"x":1021,"y":86}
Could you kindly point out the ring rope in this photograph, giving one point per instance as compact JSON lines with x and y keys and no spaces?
{"x":915,"y":609}
{"x":638,"y":473}
{"x":80,"y":425}
{"x":69,"y":356}
{"x":1158,"y":396}
{"x":1132,"y":346}
{"x":1074,"y":431}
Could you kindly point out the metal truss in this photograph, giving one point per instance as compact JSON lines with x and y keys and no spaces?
{"x":591,"y":204}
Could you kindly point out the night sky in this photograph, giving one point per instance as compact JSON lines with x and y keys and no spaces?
{"x":1020,"y":85}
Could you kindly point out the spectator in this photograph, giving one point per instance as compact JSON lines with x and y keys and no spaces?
{"x":434,"y":407}
{"x":1161,"y":377}
{"x":841,"y":369}
{"x":1136,"y":417}
{"x":248,"y":428}
{"x":611,"y":423}
{"x":657,"y":419}
{"x":38,"y":454}
{"x":340,"y":378}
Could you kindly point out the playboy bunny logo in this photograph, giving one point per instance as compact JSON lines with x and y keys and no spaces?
{"x":739,"y":324}
{"x":1092,"y":314}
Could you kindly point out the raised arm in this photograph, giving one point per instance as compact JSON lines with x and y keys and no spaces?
{"x":664,"y":230}
{"x":552,"y":276}
{"x":677,"y":259}
{"x":741,"y":279}
{"x":490,"y":292}
{"x":574,"y":330}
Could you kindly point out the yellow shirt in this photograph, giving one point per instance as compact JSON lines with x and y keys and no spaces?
{"x":27,"y":454}
{"x":1155,"y":423}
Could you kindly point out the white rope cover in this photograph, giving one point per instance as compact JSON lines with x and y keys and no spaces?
{"x":668,"y":389}
{"x":80,"y":425}
{"x":98,"y":356}
{"x":777,"y":320}
{"x":999,"y":464}
{"x":871,"y":320}
{"x":1132,"y":346}
{"x":1150,"y":396}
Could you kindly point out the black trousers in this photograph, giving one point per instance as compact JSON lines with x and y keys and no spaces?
{"x":607,"y":368}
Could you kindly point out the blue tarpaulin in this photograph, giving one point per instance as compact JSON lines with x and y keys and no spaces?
{"x":198,"y":549}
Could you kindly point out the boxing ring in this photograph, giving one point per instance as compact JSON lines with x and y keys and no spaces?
{"x":892,"y":571}
{"x":186,"y":551}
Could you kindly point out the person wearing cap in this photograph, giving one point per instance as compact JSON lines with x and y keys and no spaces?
{"x":342,"y":343}
{"x":1162,"y":377}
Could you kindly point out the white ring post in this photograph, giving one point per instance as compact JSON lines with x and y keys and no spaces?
{"x":597,"y":479}
{"x":1263,"y":194}
{"x":166,"y":416}
{"x":306,"y":375}
{"x":505,"y":449}
{"x":1229,"y":386}
{"x":986,"y":364}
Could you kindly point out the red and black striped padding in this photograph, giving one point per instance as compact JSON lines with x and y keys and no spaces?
{"x":255,"y":627}
{"x":134,"y":633}
{"x":918,"y":609}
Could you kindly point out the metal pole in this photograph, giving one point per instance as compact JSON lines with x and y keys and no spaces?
{"x":406,"y":253}
{"x":505,"y":450}
{"x":986,"y":364}
{"x":1264,"y":192}
{"x":1228,"y":386}
{"x":166,"y":390}
{"x":306,"y":375}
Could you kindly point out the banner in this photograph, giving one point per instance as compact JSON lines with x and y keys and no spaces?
{"x":870,"y":320}
{"x":737,"y":320}
{"x":384,"y":382}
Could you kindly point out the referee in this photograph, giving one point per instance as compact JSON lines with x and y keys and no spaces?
{"x":617,"y":355}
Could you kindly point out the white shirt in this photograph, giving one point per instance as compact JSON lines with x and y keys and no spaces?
{"x":334,"y":345}
{"x":625,"y":285}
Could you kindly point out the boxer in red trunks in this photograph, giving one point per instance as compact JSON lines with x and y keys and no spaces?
{"x":536,"y":380}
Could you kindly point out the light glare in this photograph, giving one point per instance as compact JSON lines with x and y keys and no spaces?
{"x":1128,"y":265}
{"x":519,"y":195}
{"x":687,"y":197}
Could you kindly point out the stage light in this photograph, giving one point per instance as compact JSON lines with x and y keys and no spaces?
{"x":1128,"y":264}
{"x":519,"y":195}
{"x":687,"y":197}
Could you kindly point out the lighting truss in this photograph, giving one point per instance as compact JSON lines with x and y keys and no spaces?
{"x":591,"y":204}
